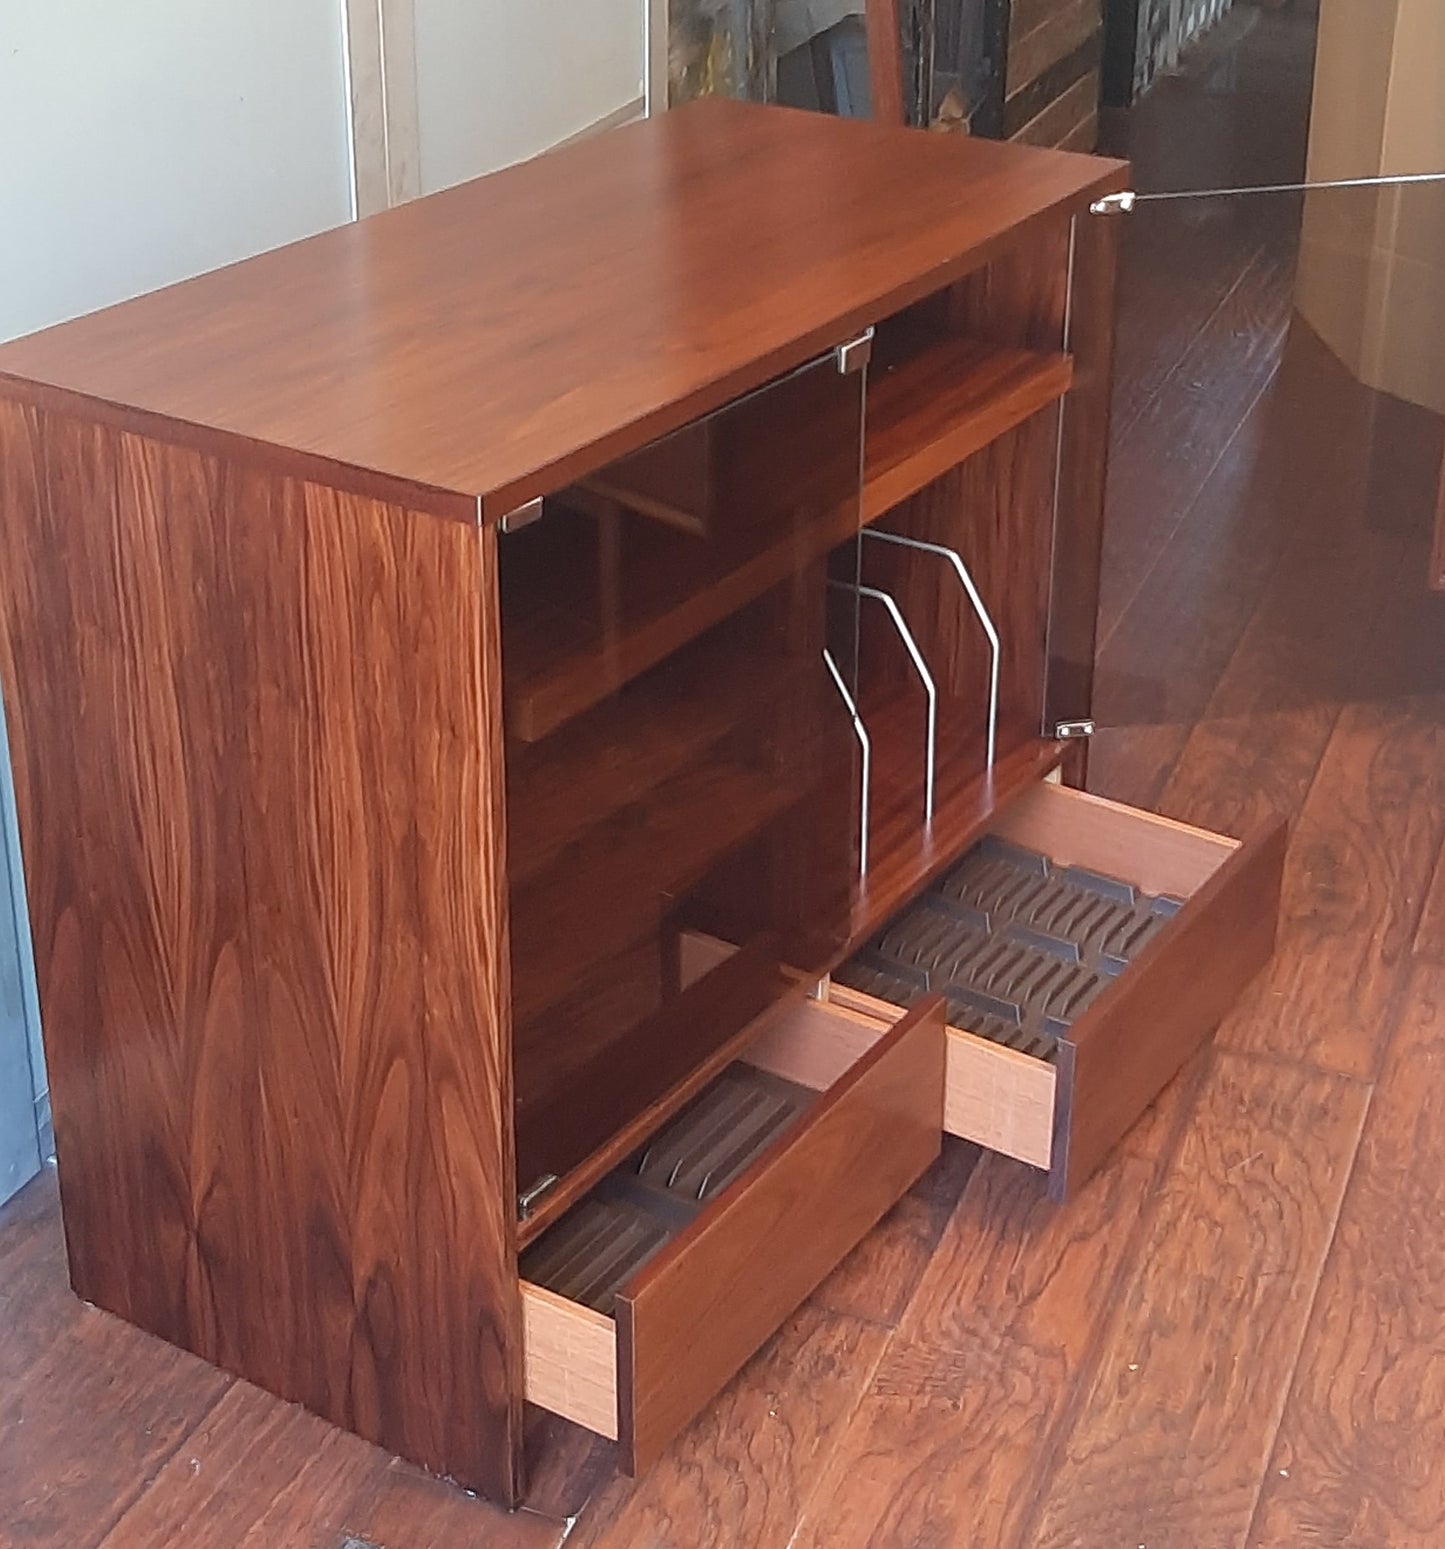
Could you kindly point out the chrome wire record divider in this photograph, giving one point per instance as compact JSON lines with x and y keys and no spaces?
{"x":861,"y":732}
{"x":920,"y":665}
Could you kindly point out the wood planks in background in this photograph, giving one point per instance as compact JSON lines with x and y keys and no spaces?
{"x":1358,"y":1456}
{"x":1176,"y":1422}
{"x":1051,"y":94}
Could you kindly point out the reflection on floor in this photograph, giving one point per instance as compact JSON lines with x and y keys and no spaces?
{"x":1233,"y":1336}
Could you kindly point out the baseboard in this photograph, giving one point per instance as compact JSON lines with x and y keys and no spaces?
{"x":629,"y":111}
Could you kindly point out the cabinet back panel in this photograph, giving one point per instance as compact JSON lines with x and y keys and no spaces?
{"x":996,"y":511}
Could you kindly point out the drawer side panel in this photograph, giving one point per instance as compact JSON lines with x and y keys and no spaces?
{"x":571,"y":1359}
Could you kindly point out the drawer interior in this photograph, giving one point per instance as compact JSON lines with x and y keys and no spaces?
{"x":1079,"y":931}
{"x":592,"y":1252}
{"x":1084,"y":950}
{"x":1017,"y":943}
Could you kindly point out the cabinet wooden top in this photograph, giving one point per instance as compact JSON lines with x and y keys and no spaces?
{"x":487,"y":344}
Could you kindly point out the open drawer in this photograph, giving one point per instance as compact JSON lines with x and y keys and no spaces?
{"x":1124,"y":935}
{"x":685,"y":1261}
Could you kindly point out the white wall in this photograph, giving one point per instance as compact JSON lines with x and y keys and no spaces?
{"x":142,"y":141}
{"x":500,"y":80}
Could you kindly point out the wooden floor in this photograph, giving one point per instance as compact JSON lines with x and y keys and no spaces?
{"x":1236,"y":1335}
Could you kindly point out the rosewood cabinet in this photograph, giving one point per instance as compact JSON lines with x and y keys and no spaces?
{"x":523,"y":711}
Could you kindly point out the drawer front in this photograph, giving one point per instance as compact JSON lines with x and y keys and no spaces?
{"x":697,"y":1312}
{"x":1137,"y":1036}
{"x":691,"y":1316}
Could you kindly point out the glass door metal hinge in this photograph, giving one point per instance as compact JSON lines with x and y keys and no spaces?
{"x":523,"y":516}
{"x":527,"y":1199}
{"x":855,"y":353}
{"x":1114,"y":204}
{"x":1071,"y":731}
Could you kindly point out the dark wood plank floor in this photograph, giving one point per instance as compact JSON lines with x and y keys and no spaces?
{"x":1236,"y":1335}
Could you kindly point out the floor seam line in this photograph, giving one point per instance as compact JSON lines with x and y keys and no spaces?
{"x":1084,"y":1380}
{"x":1249,"y":262}
{"x":165,"y":1461}
{"x":1306,"y":1323}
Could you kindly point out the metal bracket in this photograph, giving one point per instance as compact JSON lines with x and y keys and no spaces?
{"x":855,"y":353}
{"x":523,"y":516}
{"x":1114,"y":204}
{"x":1073,"y":731}
{"x":528,"y":1198}
{"x":861,"y":733}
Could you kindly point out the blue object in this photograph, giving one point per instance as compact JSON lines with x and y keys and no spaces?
{"x":26,"y":1137}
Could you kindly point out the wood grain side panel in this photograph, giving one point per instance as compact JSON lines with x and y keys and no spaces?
{"x":571,"y":1360}
{"x":699,"y":1310}
{"x":255,"y":731}
{"x":283,"y":461}
{"x":1131,"y":1042}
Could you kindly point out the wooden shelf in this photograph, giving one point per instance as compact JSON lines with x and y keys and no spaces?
{"x":904,"y":854}
{"x":655,"y":729}
{"x":932,"y":405}
{"x":562,"y":656}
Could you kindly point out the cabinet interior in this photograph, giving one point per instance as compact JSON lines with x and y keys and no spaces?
{"x":681,"y":758}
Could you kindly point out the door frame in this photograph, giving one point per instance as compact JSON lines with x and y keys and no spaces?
{"x":655,"y":52}
{"x":382,"y":103}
